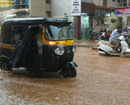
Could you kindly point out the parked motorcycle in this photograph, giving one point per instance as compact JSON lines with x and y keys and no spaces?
{"x":93,"y":35}
{"x":104,"y":35}
{"x":105,"y":48}
{"x":125,"y":34}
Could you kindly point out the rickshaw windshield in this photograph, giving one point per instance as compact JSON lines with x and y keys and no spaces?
{"x":58,"y":32}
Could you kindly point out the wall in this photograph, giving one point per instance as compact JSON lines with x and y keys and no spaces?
{"x":110,"y":3}
{"x":38,"y":8}
{"x":59,"y":8}
{"x":113,"y":25}
{"x":124,"y":22}
{"x":98,"y":2}
{"x":107,"y":21}
{"x":88,"y":1}
{"x":115,"y":4}
{"x":100,"y":26}
{"x":7,"y":3}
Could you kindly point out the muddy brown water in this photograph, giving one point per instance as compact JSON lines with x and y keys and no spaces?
{"x":101,"y":80}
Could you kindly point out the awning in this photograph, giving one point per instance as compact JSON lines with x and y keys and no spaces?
{"x":3,"y":14}
{"x":87,"y":7}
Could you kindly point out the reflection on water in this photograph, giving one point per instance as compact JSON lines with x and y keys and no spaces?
{"x":45,"y":88}
{"x":101,"y":80}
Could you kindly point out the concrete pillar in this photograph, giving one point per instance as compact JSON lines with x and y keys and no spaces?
{"x":77,"y":27}
{"x":127,"y":2}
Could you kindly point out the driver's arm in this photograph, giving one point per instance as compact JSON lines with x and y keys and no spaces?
{"x":115,"y":38}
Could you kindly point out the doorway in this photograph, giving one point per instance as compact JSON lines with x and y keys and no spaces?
{"x":84,"y":25}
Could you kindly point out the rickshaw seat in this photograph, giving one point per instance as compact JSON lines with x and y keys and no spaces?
{"x":108,"y":44}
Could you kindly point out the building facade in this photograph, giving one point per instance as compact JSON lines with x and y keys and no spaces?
{"x":6,"y":4}
{"x":39,"y":8}
{"x":125,"y":15}
{"x":13,"y":9}
{"x":96,"y":14}
{"x":106,"y":8}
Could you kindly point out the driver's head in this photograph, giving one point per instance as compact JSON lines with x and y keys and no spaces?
{"x":119,"y":28}
{"x":16,"y":30}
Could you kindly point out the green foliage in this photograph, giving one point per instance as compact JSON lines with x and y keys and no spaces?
{"x":129,"y":40}
{"x":128,"y":34}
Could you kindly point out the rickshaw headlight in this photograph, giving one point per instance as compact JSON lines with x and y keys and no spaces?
{"x":74,"y":49}
{"x":59,"y":51}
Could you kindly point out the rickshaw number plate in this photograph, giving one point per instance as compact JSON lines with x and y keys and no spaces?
{"x":68,"y":51}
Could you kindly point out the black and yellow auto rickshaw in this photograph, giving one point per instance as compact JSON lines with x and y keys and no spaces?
{"x":56,"y":48}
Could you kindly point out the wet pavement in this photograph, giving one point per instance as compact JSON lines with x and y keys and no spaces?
{"x":101,"y":80}
{"x":88,"y":44}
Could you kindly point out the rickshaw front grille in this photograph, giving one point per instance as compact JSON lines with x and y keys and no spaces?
{"x":68,"y":55}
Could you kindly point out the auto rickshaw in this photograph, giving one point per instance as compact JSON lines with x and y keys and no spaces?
{"x":56,"y":48}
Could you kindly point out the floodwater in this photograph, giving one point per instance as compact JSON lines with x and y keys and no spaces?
{"x":101,"y":80}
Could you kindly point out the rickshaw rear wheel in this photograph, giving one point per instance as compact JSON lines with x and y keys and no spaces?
{"x":4,"y":65}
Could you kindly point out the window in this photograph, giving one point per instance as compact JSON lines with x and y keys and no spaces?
{"x":118,"y":1}
{"x":108,"y":14}
{"x":48,"y":1}
{"x":47,"y":14}
{"x":113,"y":0}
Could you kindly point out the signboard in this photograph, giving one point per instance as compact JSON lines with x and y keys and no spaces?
{"x":75,"y":7}
{"x":122,"y":12}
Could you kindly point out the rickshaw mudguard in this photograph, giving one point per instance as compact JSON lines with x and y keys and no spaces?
{"x":5,"y":57}
{"x":71,"y":64}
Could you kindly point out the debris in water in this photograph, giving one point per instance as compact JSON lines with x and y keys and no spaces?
{"x":1,"y":79}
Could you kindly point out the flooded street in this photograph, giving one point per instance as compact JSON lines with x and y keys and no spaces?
{"x":101,"y":80}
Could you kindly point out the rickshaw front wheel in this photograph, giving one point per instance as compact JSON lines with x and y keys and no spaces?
{"x":69,"y":72}
{"x":74,"y":72}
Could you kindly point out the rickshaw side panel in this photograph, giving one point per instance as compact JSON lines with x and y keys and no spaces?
{"x":5,"y":45}
{"x":5,"y":52}
{"x":6,"y":32}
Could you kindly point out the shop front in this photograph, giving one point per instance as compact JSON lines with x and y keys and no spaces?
{"x":84,"y":24}
{"x":85,"y":21}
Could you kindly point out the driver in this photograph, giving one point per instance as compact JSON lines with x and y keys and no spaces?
{"x":16,"y":35}
{"x":114,"y":38}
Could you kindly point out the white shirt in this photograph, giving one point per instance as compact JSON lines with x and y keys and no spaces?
{"x":16,"y":37}
{"x":115,"y":33}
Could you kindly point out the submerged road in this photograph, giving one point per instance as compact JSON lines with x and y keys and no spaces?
{"x":101,"y":80}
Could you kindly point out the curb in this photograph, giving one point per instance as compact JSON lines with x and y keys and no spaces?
{"x":86,"y":45}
